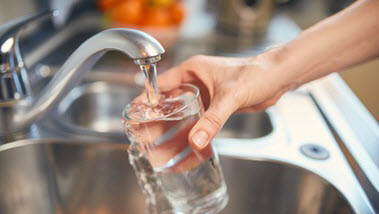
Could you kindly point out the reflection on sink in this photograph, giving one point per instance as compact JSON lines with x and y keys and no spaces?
{"x":95,"y":109}
{"x":63,"y":177}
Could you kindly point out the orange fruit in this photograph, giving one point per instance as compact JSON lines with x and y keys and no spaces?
{"x":158,"y":17}
{"x":159,"y":3}
{"x":106,"y":4}
{"x":177,"y":13}
{"x":127,"y":12}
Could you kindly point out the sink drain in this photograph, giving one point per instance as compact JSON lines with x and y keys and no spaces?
{"x":314,"y":151}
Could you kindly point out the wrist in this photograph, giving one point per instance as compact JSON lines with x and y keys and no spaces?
{"x":280,"y":73}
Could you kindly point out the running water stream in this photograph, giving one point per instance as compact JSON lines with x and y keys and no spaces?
{"x":151,"y":84}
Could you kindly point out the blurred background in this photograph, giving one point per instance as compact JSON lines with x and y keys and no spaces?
{"x":185,"y":28}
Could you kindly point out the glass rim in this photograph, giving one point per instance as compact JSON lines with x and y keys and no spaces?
{"x":193,"y":98}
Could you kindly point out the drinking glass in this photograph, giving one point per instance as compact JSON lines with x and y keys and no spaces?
{"x":191,"y":180}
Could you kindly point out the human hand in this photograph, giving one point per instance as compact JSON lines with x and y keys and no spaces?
{"x":226,"y":85}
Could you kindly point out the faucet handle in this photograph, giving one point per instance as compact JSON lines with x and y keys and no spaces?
{"x":14,"y":82}
{"x":11,"y":28}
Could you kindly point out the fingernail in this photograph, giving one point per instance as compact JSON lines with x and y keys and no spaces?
{"x":200,"y":138}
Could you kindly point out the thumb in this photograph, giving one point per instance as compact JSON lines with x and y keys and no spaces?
{"x":211,"y":122}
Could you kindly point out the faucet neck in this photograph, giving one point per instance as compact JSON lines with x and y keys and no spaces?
{"x":137,"y":45}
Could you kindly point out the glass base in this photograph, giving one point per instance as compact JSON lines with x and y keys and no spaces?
{"x":210,"y":204}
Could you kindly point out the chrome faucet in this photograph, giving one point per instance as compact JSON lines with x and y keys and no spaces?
{"x":19,"y":108}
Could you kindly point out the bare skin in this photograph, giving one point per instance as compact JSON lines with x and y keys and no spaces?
{"x":252,"y":84}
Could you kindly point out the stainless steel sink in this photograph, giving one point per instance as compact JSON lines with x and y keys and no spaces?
{"x":272,"y":187}
{"x":55,"y":176}
{"x":95,"y":109}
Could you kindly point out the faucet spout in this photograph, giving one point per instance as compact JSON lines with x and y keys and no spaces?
{"x":138,"y":45}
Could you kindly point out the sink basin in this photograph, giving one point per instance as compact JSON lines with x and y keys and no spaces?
{"x":53,"y":176}
{"x":95,"y":109}
{"x":272,"y":187}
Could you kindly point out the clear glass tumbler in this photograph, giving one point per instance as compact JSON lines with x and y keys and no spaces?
{"x":191,"y":180}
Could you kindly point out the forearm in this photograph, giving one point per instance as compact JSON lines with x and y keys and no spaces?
{"x":338,"y":42}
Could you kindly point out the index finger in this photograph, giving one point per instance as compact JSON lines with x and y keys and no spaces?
{"x":170,"y":78}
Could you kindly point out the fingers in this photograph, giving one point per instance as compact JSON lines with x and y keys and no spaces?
{"x":194,"y":159}
{"x":213,"y":119}
{"x":167,"y":149}
{"x":170,"y":78}
{"x":186,"y":72}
